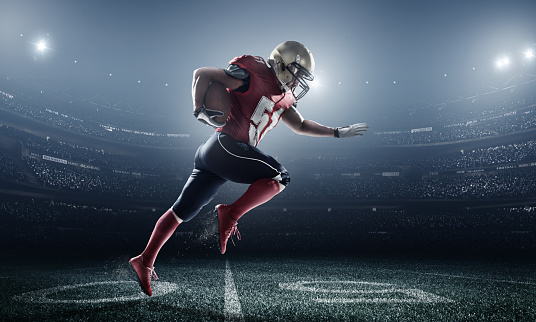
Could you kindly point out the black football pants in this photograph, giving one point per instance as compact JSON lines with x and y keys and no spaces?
{"x":222,"y":159}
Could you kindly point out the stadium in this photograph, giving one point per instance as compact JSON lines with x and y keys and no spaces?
{"x":431,"y":215}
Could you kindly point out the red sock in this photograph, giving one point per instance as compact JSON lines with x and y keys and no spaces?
{"x":258,"y":193}
{"x":164,"y":228}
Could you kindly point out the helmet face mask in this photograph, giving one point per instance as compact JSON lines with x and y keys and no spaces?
{"x":299,"y":81}
{"x":294,"y":65}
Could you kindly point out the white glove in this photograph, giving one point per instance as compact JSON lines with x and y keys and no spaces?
{"x":351,"y":130}
{"x":207,"y":116}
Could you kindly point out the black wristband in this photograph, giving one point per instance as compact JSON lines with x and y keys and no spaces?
{"x":336,"y":132}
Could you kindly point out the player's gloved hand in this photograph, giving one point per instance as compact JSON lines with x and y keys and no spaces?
{"x":351,"y":130}
{"x":207,"y":116}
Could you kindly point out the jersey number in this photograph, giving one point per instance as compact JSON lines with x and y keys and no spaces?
{"x":260,"y":120}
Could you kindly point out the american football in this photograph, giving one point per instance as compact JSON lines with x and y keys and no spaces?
{"x":217,"y":98}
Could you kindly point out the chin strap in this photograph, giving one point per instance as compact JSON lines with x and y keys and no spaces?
{"x":207,"y":116}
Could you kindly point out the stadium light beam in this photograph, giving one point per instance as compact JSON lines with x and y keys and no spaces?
{"x":41,"y":45}
{"x":315,"y":83}
{"x":529,"y":54}
{"x":503,"y":62}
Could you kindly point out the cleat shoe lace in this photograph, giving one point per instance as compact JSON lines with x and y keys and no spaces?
{"x":152,"y":273}
{"x":233,"y":231}
{"x":227,"y":228}
{"x":144,"y":277}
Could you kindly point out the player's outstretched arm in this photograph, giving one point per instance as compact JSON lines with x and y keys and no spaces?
{"x":295,"y":121}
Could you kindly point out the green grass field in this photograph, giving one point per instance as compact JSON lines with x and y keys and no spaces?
{"x":271,"y":288}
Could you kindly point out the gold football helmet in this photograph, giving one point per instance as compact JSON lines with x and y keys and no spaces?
{"x":293,"y":64}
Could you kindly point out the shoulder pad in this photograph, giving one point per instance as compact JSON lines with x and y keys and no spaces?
{"x":236,"y":72}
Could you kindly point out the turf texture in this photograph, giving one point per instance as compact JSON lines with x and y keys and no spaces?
{"x":271,"y":288}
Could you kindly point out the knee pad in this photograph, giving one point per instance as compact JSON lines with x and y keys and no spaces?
{"x":283,"y":178}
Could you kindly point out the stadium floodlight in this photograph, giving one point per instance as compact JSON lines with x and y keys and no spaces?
{"x":529,"y":54}
{"x":315,"y":83}
{"x":503,"y":62}
{"x":41,"y":45}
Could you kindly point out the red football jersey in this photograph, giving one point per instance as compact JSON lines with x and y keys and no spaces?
{"x":258,"y":110}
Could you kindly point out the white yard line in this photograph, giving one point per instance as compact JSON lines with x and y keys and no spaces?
{"x":41,"y":296}
{"x":481,"y":278}
{"x":231,"y":308}
{"x":363,"y":292}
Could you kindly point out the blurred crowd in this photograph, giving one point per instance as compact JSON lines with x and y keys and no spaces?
{"x":8,"y":169}
{"x":38,"y":145}
{"x":91,"y":126}
{"x":520,"y":120}
{"x":503,"y":173}
{"x":494,"y":155}
{"x":99,"y":183}
{"x":37,"y":224}
{"x":509,"y":184}
{"x":123,"y":177}
{"x":513,"y":183}
{"x":492,"y":114}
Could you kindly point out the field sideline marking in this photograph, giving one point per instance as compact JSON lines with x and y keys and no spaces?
{"x":480,"y":278}
{"x":231,"y":308}
{"x":364,"y":290}
{"x":415,"y":296}
{"x":40,"y":296}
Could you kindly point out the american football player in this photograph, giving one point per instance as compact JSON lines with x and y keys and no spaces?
{"x":261,"y":95}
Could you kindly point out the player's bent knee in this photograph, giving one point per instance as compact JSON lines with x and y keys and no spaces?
{"x":283,"y":179}
{"x":177,"y":218}
{"x":183,"y":213}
